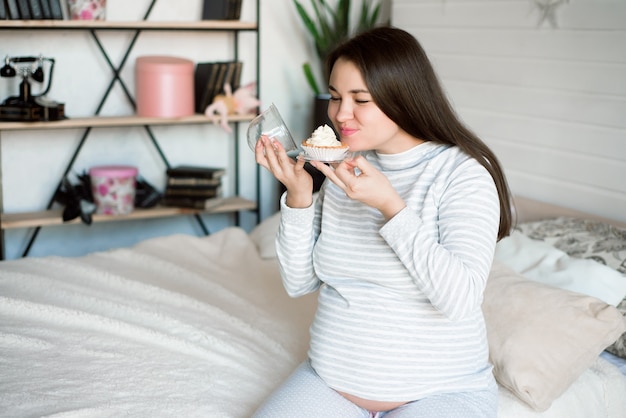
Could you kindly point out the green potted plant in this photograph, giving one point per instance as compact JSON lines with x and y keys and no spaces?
{"x":330,"y":26}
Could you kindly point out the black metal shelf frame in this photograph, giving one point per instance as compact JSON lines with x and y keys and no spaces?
{"x":116,"y":78}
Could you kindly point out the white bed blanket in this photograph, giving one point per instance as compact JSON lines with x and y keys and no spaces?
{"x":176,"y":326}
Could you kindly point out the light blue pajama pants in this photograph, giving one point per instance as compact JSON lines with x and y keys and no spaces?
{"x":305,"y":395}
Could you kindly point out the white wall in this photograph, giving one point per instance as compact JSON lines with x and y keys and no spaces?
{"x":550,"y":101}
{"x":33,"y":161}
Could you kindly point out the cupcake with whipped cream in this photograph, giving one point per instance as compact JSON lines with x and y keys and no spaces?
{"x":324,"y":146}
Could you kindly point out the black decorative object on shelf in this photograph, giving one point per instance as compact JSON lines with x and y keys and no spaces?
{"x":77,"y":199}
{"x":146,"y":196}
{"x":26,"y":106}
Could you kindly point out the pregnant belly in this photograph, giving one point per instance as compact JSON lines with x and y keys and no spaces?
{"x":374,"y":406}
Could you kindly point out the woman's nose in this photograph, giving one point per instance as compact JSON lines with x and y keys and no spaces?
{"x":343,"y":112}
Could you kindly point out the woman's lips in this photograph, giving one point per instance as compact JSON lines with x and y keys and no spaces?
{"x":347,"y":131}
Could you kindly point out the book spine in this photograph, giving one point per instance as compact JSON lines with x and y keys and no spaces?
{"x":210,"y":78}
{"x":182,"y":202}
{"x":198,"y":193}
{"x":55,"y":9}
{"x":218,"y":86}
{"x":4,"y":14}
{"x":192,"y":182}
{"x":45,"y":9}
{"x":234,"y":10}
{"x":199,"y":77}
{"x":214,"y":9}
{"x":189,"y":177}
{"x":22,"y":5}
{"x":205,"y":77}
{"x":236,"y":80}
{"x":13,"y":10}
{"x":197,"y":172}
{"x":211,"y":85}
{"x":228,"y":76}
{"x":35,"y":9}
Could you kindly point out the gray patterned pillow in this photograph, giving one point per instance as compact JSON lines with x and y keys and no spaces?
{"x":582,"y":238}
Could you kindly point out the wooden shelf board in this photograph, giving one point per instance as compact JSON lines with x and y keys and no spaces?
{"x":116,"y":121}
{"x":128,"y":25}
{"x":54,"y":216}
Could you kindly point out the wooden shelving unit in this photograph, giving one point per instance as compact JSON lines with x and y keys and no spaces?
{"x":52,"y":216}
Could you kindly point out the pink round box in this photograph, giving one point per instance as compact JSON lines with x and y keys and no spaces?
{"x":164,"y":86}
{"x":113,"y":189}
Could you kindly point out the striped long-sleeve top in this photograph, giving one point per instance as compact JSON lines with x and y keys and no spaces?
{"x":399,"y":308}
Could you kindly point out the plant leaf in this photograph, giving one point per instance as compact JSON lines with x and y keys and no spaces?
{"x":308,"y":73}
{"x":308,"y":22}
{"x":367,"y":20}
{"x":329,"y":26}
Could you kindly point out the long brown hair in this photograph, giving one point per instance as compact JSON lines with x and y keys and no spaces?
{"x":404,"y":85}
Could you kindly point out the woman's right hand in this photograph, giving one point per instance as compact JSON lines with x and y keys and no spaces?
{"x":298,"y":182}
{"x":361,"y":181}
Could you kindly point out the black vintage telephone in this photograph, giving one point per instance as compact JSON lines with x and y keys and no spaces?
{"x":27,"y":107}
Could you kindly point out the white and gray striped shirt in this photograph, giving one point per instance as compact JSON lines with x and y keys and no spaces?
{"x":399,"y":314}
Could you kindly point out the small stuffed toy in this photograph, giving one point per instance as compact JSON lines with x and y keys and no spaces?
{"x":240,"y":102}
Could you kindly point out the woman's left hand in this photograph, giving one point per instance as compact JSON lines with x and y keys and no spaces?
{"x":298,"y":182}
{"x":363,"y":182}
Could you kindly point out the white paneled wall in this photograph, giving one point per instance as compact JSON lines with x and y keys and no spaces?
{"x":550,"y":100}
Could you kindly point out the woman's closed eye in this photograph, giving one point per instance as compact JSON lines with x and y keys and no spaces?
{"x":357,"y":101}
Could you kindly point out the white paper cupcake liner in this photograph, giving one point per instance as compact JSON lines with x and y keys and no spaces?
{"x":325,"y":153}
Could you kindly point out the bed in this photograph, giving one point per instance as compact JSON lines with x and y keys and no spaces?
{"x":200,"y":326}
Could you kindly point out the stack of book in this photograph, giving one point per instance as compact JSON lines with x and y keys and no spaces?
{"x":193,"y":187}
{"x":30,"y":9}
{"x":210,"y":78}
{"x":221,"y":9}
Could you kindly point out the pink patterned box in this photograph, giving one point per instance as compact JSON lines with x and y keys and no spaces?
{"x":87,"y":9}
{"x":113,"y":189}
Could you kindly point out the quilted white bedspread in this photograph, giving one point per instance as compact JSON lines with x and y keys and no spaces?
{"x":176,"y":326}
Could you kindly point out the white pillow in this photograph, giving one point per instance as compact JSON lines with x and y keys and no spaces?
{"x":264,"y":236}
{"x":541,"y":338}
{"x":540,"y":261}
